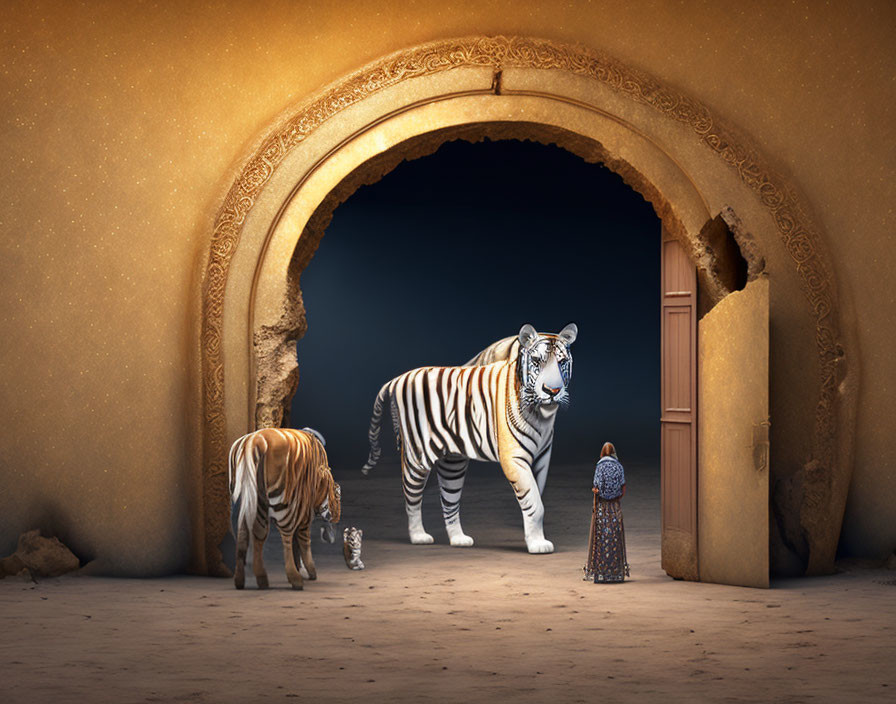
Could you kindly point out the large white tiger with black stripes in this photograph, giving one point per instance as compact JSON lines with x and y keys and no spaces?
{"x":499,"y":407}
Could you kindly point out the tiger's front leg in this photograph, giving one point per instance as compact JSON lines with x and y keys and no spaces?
{"x":303,"y":536}
{"x":540,"y":469}
{"x":520,"y":476}
{"x":297,"y":556}
{"x":292,"y":572}
{"x":451,"y":471}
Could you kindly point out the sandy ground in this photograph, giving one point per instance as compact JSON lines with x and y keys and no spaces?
{"x":441,"y":624}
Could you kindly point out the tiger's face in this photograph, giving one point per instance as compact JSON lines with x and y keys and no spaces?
{"x":545,"y":366}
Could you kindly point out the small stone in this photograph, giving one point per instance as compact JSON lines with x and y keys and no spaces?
{"x":45,"y":557}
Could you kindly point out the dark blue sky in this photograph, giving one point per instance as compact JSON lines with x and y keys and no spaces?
{"x":453,"y":251}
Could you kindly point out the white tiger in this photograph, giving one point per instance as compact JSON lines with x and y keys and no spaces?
{"x":351,"y":548}
{"x":499,"y":407}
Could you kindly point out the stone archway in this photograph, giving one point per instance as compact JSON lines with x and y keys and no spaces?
{"x":691,"y":167}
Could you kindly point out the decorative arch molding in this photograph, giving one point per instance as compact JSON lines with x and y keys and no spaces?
{"x":689,"y":164}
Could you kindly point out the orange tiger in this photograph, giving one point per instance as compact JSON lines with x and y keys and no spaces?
{"x":283,"y":474}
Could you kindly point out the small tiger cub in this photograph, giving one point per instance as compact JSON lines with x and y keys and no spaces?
{"x":351,"y":548}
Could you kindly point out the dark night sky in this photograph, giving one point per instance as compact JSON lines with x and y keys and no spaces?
{"x":453,"y":251}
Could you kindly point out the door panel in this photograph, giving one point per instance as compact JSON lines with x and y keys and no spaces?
{"x":732,"y":490}
{"x":678,"y":394}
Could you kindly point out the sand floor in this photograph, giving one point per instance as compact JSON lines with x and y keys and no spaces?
{"x":442,"y":624}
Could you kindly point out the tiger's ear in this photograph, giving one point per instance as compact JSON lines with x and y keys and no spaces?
{"x":527,"y":334}
{"x":569,"y":333}
{"x":317,"y":434}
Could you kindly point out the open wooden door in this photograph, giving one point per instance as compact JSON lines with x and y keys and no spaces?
{"x":678,"y":422}
{"x":714,"y":388}
{"x":733,"y":459}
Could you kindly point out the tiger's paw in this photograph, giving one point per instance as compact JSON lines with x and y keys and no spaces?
{"x":539,"y":546}
{"x":421,"y":538}
{"x":461,"y":541}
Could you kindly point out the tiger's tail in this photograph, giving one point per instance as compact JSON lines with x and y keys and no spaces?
{"x":373,"y":435}
{"x":246,"y":461}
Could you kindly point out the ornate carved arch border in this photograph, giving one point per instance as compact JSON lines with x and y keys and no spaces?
{"x":823,"y":482}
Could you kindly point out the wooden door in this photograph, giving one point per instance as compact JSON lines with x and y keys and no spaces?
{"x":733,"y":490}
{"x":678,"y":421}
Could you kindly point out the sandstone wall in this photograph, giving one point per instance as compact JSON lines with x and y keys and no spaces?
{"x":122,"y":126}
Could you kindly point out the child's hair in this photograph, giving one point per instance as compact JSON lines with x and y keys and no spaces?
{"x":607,"y":449}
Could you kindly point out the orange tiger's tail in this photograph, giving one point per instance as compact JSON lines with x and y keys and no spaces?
{"x":246,"y":461}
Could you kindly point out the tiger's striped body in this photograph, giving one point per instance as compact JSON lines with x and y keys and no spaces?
{"x":281,"y":474}
{"x":446,"y":416}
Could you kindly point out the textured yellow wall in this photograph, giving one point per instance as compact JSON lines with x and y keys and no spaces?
{"x":123,"y":124}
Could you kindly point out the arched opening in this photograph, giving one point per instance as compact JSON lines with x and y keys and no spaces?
{"x":277,"y":375}
{"x":452,"y":251}
{"x":692,"y":168}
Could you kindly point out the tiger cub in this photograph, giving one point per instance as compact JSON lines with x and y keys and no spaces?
{"x":351,"y":548}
